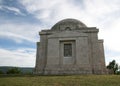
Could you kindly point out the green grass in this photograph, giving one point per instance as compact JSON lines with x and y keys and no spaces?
{"x":74,"y":80}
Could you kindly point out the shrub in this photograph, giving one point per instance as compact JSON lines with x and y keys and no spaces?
{"x":118,"y":73}
{"x":1,"y":72}
{"x":14,"y":71}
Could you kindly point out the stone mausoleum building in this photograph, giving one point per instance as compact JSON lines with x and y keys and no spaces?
{"x":70,"y":47}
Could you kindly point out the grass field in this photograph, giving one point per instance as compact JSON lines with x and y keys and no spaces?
{"x":74,"y":80}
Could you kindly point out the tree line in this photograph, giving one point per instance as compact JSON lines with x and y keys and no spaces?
{"x":14,"y":70}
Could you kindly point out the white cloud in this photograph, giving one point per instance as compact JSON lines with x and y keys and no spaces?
{"x":110,"y":58}
{"x":20,"y":32}
{"x":92,"y":13}
{"x":20,"y":57}
{"x":0,"y":7}
{"x":101,"y":7}
{"x":15,"y":37}
{"x":111,"y":35}
{"x":14,"y":9}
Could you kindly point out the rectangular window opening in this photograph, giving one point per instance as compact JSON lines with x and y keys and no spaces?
{"x":68,"y":50}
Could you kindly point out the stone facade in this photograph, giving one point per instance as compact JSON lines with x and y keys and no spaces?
{"x":70,"y":47}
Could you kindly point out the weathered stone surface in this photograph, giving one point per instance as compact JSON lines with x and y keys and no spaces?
{"x":87,"y":53}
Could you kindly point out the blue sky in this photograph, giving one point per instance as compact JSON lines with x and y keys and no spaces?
{"x":21,"y":21}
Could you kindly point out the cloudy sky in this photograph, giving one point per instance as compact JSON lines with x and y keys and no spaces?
{"x":21,"y":20}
